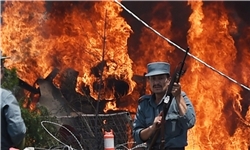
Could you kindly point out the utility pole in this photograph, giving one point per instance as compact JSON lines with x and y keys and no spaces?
{"x":100,"y":82}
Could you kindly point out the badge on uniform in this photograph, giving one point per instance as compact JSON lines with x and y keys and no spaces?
{"x":166,"y":99}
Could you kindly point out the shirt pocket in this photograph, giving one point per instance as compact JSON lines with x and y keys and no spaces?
{"x":172,"y":128}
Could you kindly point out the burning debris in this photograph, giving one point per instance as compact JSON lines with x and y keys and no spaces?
{"x":65,"y":99}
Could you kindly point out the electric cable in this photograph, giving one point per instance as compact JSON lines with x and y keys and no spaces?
{"x":177,"y":46}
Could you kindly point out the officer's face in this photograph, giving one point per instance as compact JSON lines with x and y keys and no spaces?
{"x":159,"y":83}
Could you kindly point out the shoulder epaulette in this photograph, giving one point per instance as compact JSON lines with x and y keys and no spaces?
{"x":144,"y":97}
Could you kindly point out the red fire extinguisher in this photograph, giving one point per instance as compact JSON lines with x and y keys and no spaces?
{"x":109,"y":140}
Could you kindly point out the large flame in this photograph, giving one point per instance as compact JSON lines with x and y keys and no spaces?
{"x":91,"y":37}
{"x":209,"y":38}
{"x":74,"y":35}
{"x":222,"y":118}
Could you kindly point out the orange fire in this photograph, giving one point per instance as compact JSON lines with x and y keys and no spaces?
{"x":209,"y":38}
{"x":92,"y":37}
{"x":82,"y":40}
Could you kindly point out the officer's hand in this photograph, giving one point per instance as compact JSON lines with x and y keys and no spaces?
{"x":157,"y":121}
{"x":176,"y":90}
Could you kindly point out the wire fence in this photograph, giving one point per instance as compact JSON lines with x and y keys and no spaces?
{"x":77,"y":131}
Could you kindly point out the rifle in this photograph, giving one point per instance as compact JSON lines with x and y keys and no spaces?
{"x":167,"y":102}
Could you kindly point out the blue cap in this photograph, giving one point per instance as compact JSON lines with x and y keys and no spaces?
{"x":157,"y":68}
{"x":3,"y":57}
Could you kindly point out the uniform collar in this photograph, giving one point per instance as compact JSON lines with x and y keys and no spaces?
{"x":152,"y":101}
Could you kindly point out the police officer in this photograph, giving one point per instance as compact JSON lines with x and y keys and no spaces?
{"x":12,"y":125}
{"x":180,"y":117}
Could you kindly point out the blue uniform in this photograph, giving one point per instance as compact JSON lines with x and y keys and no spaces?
{"x":12,"y":125}
{"x":176,"y":126}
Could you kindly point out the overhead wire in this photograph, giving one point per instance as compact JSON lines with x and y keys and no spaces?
{"x":180,"y":48}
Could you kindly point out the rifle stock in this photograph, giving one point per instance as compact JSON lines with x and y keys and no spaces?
{"x":167,"y":102}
